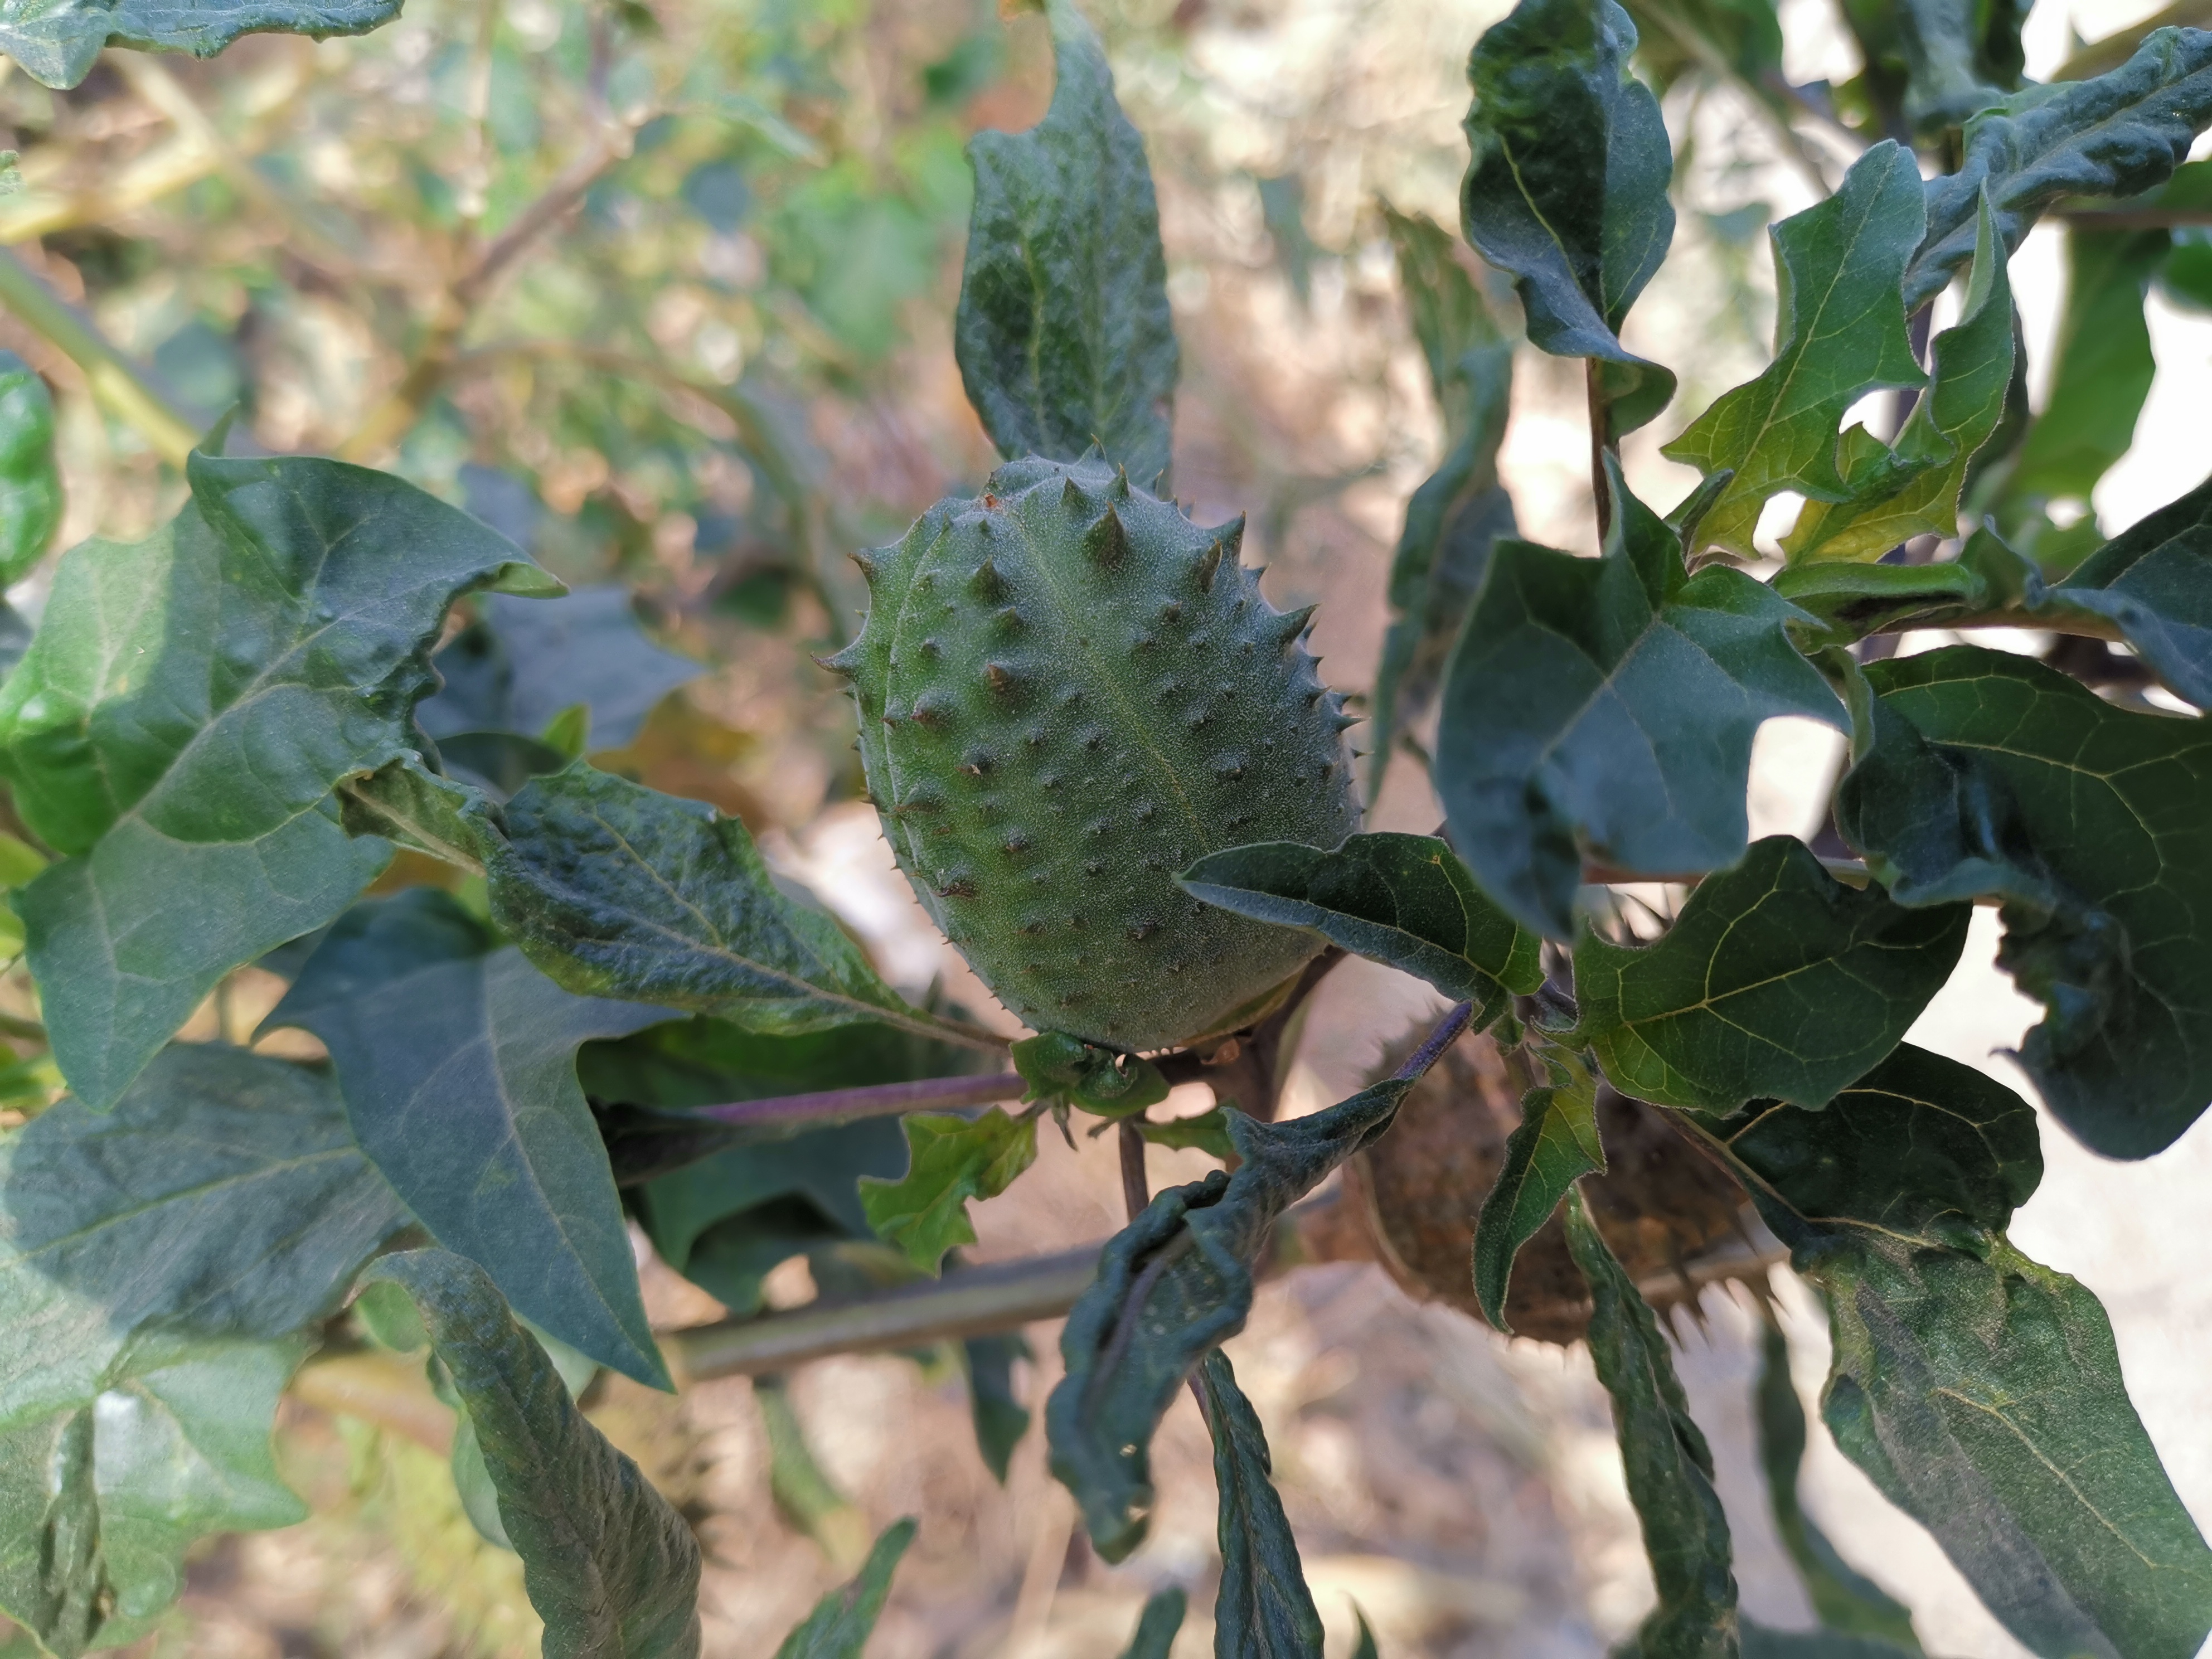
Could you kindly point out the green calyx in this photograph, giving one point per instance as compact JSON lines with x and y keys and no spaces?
{"x":1068,"y":692}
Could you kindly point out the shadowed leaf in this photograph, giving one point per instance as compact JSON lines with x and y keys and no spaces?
{"x":1263,"y":1610}
{"x":841,"y":1622}
{"x":1555,"y":1144}
{"x":30,"y":487}
{"x":1158,"y":1623}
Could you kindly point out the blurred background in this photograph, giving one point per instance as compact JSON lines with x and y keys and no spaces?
{"x":664,"y":291}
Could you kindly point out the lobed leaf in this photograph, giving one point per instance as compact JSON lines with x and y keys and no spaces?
{"x":1850,"y":1606}
{"x":1604,"y":708}
{"x":842,"y":1620}
{"x":611,"y":1568}
{"x":1177,"y":1281}
{"x":1840,"y":334}
{"x":1668,"y":1465}
{"x":519,"y":665}
{"x":1064,"y":335}
{"x":157,"y":1263}
{"x":30,"y":485}
{"x":57,"y":40}
{"x":1913,"y":489}
{"x":1461,"y":510}
{"x":2119,"y":135}
{"x":1566,"y":187}
{"x":181,"y":718}
{"x":456,"y":1060}
{"x":1554,"y":1145}
{"x":951,"y":1159}
{"x":1263,"y":1610}
{"x":1775,"y":980}
{"x":1981,"y":774}
{"x":1406,"y":901}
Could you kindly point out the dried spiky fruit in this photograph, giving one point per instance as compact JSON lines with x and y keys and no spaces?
{"x":1105,"y":697}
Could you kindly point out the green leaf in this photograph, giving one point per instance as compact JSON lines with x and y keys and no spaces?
{"x":1461,"y":510}
{"x":1775,"y":980}
{"x":842,"y":1620}
{"x":1176,"y":1282}
{"x":1961,"y":57}
{"x":2119,"y":135}
{"x":458,"y":1065}
{"x":2101,"y":370}
{"x":1980,"y":1391}
{"x":1669,"y":1467}
{"x":1000,"y":1419}
{"x":1555,"y":1144}
{"x":1063,"y":334}
{"x":951,"y":1159}
{"x":1556,"y":111}
{"x":1981,"y":774}
{"x":2154,"y":581}
{"x":1913,"y":489}
{"x":608,"y":1565}
{"x":521,"y":665}
{"x":57,"y":40}
{"x":1604,"y":708}
{"x":1263,"y":1610}
{"x":1840,"y":334}
{"x":1760,"y":1642}
{"x":1406,"y":901}
{"x":30,"y":487}
{"x":1921,"y":1146}
{"x":156,"y":1264}
{"x":1852,"y":600}
{"x":1059,"y":1067}
{"x":1364,"y":1647}
{"x":182,"y":716}
{"x":616,"y":890}
{"x":1207,"y":1131}
{"x":1844,"y":1600}
{"x":1158,"y":1623}
{"x":100,"y":1502}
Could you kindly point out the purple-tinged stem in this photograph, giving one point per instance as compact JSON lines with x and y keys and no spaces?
{"x":875,"y":1100}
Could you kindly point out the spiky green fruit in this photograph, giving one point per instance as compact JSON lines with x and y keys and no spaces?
{"x":1068,"y":692}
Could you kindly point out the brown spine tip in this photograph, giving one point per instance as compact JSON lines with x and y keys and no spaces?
{"x":1106,"y":542}
{"x":959,"y":886}
{"x":846,"y":662}
{"x":1208,"y":563}
{"x":867,"y":564}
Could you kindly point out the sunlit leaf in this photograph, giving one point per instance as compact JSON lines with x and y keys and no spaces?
{"x":30,"y":487}
{"x":950,"y":1160}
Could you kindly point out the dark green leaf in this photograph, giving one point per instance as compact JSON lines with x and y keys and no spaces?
{"x":181,"y":718}
{"x":56,"y":40}
{"x":1980,"y":1390}
{"x":30,"y":487}
{"x":616,"y":890}
{"x":1058,"y":1067}
{"x":1913,"y":489}
{"x":951,"y":1159}
{"x":1669,"y":1467}
{"x":1455,"y":516}
{"x":1555,"y":1144}
{"x":1983,"y":774}
{"x":1921,"y":1148}
{"x":1961,"y":56}
{"x":1679,"y":37}
{"x":1844,"y":1600}
{"x":457,"y":1064}
{"x":1404,"y":900}
{"x":1263,"y":1610}
{"x":2154,"y":581}
{"x":155,"y":1263}
{"x":2121,"y":135}
{"x":842,"y":1621}
{"x":99,"y":1501}
{"x":1177,"y":1281}
{"x":1841,"y":335}
{"x":1852,"y":600}
{"x":1157,"y":1625}
{"x":611,"y":1568}
{"x":1776,"y":980}
{"x":519,"y":665}
{"x":1604,"y":708}
{"x":1063,"y":334}
{"x":1984,"y":1396}
{"x":1364,"y":1647}
{"x":1556,"y":111}
{"x":2101,"y":370}
{"x":1001,"y":1420}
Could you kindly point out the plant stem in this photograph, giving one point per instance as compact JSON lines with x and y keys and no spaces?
{"x":973,"y":1301}
{"x":1601,"y":436}
{"x":1136,"y":1192}
{"x":831,"y":1106}
{"x":117,"y":386}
